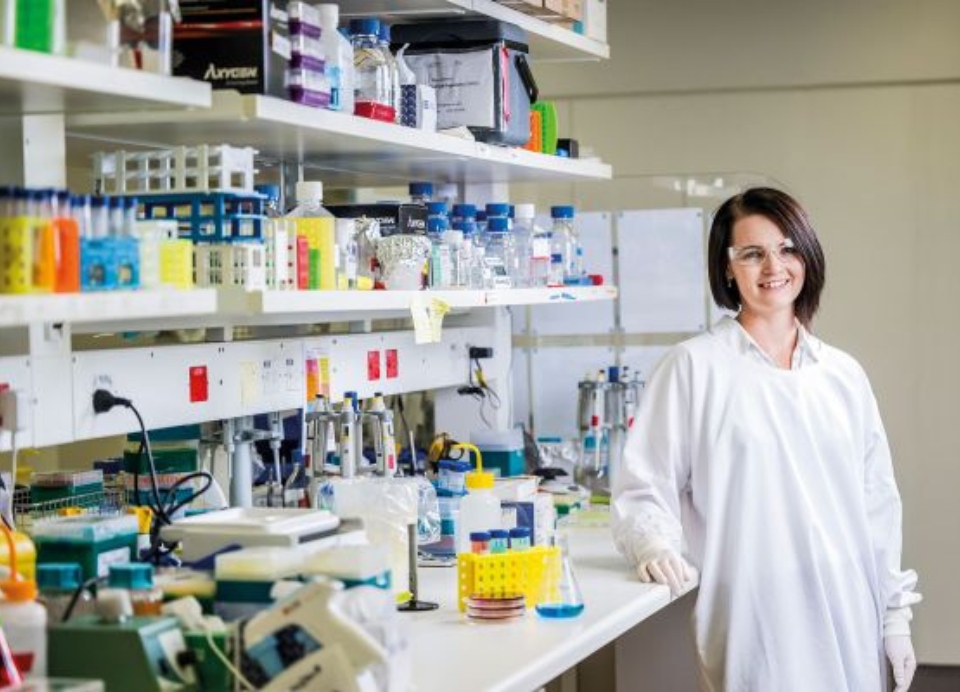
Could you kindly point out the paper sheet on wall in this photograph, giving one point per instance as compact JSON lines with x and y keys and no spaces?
{"x":662,"y":271}
{"x":584,"y":318}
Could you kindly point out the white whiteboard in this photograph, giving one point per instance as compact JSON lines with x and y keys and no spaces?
{"x":662,"y":271}
{"x":596,"y":237}
{"x":556,"y":374}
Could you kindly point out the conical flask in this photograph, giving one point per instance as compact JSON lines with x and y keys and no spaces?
{"x":559,"y":592}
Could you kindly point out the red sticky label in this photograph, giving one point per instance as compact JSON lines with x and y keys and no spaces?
{"x":373,"y":365}
{"x":199,"y":390}
{"x":302,"y":255}
{"x":393,"y":364}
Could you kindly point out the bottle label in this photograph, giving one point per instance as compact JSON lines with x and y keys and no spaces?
{"x":541,"y":248}
{"x":333,"y":76}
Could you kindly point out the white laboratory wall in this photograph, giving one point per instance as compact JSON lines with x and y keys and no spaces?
{"x":855,"y":108}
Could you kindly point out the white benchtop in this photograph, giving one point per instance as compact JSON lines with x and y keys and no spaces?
{"x":451,"y":652}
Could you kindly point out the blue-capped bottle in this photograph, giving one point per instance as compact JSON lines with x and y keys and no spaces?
{"x":498,"y":252}
{"x":565,"y":231}
{"x":438,"y":223}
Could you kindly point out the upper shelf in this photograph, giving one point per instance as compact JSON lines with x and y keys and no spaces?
{"x":109,"y":306}
{"x":548,"y":42}
{"x":33,"y":83}
{"x":352,"y":151}
{"x":131,"y":310}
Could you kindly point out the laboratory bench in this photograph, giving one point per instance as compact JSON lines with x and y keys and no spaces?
{"x":452,"y":652}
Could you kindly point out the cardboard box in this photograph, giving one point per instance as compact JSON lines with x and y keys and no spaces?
{"x":234,"y":44}
{"x":526,"y":6}
{"x":567,"y":11}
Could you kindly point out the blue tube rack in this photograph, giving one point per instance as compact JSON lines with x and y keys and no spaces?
{"x":210,"y":217}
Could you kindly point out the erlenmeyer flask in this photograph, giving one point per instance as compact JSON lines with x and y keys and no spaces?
{"x":559,"y":593}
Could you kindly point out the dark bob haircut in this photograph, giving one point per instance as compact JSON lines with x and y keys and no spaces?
{"x":786,"y":213}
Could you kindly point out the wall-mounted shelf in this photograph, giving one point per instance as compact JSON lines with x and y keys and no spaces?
{"x":548,"y":42}
{"x":351,"y":151}
{"x":216,"y":307}
{"x":122,"y":307}
{"x":35,"y":83}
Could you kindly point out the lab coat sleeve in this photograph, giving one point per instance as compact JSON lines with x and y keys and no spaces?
{"x":656,"y":468}
{"x":884,"y":513}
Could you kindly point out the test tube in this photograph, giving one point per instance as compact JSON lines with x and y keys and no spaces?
{"x":480,"y":542}
{"x":499,"y":540}
{"x":519,"y":538}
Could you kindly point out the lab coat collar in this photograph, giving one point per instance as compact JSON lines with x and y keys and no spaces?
{"x":807,"y":352}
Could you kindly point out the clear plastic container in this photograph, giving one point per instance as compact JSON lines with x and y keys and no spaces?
{"x":338,"y":59}
{"x":318,"y":228}
{"x":137,"y":579}
{"x":479,"y":508}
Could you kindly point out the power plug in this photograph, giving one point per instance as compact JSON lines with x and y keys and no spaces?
{"x":477,"y":352}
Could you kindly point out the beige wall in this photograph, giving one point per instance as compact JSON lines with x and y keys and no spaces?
{"x":855,"y":108}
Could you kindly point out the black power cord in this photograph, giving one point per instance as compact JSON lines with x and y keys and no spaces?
{"x":163,"y":507}
{"x":103,"y":401}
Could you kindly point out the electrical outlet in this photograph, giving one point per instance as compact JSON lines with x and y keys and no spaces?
{"x":480,"y":352}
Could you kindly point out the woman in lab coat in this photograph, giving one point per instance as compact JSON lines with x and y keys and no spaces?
{"x":759,"y":455}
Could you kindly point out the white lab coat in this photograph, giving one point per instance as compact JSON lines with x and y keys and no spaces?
{"x":778,"y":486}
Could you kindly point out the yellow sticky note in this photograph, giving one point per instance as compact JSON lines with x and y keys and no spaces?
{"x":427,"y":317}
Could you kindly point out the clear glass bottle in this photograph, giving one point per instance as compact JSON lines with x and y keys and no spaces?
{"x":441,"y":262}
{"x":559,"y":592}
{"x":459,"y":251}
{"x":499,"y":252}
{"x":558,"y":255}
{"x":373,"y":98}
{"x":523,"y":268}
{"x":464,"y":219}
{"x":564,"y":226}
{"x":393,"y":68}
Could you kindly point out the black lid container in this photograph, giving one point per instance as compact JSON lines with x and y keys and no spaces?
{"x":480,"y":72}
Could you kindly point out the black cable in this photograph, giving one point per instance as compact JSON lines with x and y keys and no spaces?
{"x":145,"y":445}
{"x":88,"y":584}
{"x":170,"y":495}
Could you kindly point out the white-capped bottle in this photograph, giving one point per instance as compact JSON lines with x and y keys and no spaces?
{"x":529,"y":268}
{"x":479,"y":508}
{"x":25,"y":626}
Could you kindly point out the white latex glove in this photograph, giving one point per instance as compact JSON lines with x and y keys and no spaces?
{"x":665,"y":567}
{"x":899,"y":650}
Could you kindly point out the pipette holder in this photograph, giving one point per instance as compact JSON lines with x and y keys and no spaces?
{"x":348,"y":428}
{"x":605,"y":412}
{"x":238,"y":435}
